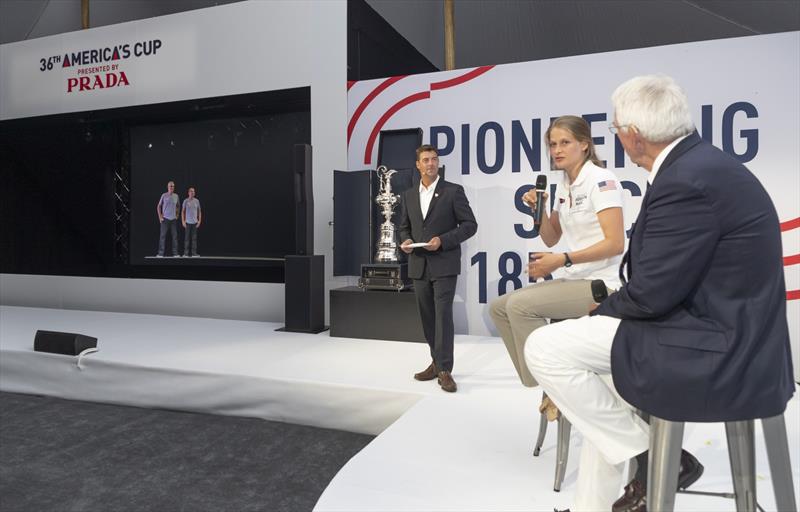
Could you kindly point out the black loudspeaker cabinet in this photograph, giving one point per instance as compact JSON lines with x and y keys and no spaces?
{"x":305,"y":294}
{"x":303,"y":200}
{"x":353,"y":199}
{"x":67,"y":343}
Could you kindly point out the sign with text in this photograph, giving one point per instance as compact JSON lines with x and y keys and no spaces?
{"x":489,"y":123}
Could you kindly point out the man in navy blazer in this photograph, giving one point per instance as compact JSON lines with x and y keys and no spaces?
{"x":438,"y":213}
{"x":699,"y":331}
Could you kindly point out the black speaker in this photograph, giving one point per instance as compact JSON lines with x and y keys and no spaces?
{"x":67,"y":343}
{"x":305,"y":294}
{"x":303,"y":200}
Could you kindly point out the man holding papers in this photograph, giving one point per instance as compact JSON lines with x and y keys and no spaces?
{"x":438,"y":215}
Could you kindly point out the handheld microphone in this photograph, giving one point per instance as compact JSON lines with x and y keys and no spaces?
{"x":541,"y":186}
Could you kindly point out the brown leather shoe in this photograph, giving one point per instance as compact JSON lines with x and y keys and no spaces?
{"x":634,"y":499}
{"x":428,"y":373}
{"x":447,"y":382}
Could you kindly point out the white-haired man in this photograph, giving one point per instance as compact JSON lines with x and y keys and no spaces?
{"x":688,"y":337}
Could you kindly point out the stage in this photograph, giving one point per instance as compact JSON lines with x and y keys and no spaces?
{"x":470,"y":451}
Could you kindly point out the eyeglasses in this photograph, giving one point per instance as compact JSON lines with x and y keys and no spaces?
{"x":615,"y":129}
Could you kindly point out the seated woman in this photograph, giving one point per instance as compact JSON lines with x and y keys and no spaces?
{"x":588,"y":214}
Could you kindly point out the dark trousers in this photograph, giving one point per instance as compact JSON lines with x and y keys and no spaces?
{"x":168,"y":224}
{"x":190,"y":240}
{"x":435,"y":301}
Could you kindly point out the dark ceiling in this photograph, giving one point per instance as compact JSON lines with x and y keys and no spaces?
{"x":487,"y":31}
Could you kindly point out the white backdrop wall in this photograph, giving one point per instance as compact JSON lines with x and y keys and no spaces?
{"x":489,"y":123}
{"x":232,"y":49}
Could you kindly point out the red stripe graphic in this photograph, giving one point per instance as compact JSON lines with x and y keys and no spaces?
{"x":351,"y":83}
{"x":385,"y":117}
{"x":435,"y":86}
{"x":366,"y":101}
{"x":402,"y":103}
{"x":794,"y":259}
{"x":790,"y":224}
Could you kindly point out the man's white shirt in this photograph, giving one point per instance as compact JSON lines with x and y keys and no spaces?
{"x":426,"y":196}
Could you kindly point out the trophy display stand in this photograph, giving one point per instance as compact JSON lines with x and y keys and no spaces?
{"x":385,"y":276}
{"x":375,"y":315}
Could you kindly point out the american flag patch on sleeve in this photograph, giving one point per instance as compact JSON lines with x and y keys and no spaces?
{"x":605,"y":186}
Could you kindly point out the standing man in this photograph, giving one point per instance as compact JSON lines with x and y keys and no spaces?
{"x":698,"y":331}
{"x":191,"y":217}
{"x":438,"y":213}
{"x":167,"y":210}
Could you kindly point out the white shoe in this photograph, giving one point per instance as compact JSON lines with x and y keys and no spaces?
{"x":159,"y":255}
{"x":195,"y":255}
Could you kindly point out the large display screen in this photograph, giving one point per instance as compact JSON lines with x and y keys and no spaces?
{"x":241,"y":176}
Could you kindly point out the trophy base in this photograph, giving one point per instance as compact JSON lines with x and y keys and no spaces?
{"x":384,"y":276}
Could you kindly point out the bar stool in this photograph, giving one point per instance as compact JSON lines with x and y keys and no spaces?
{"x":562,"y":445}
{"x":562,"y":439}
{"x":599,"y":294}
{"x":666,"y":438}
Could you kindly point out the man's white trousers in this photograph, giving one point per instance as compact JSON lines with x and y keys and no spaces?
{"x":571,"y":360}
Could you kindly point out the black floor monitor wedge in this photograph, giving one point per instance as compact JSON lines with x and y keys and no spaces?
{"x":67,"y":343}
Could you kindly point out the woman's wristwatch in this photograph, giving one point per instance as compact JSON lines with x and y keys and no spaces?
{"x":567,"y":261}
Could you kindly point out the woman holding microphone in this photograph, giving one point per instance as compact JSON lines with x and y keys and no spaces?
{"x":587,"y":214}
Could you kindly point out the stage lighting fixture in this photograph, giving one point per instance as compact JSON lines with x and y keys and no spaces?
{"x":150,"y":145}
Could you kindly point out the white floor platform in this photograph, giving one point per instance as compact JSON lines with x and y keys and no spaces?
{"x":436,"y":452}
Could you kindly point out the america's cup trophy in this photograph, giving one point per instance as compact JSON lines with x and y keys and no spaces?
{"x":386,"y":272}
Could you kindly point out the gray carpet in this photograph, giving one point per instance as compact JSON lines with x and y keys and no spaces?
{"x":61,"y":455}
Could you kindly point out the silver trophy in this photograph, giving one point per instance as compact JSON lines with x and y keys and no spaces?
{"x":387,"y":242}
{"x":385,"y":272}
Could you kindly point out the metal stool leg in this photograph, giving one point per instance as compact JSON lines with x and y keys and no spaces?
{"x":562,"y":451}
{"x":742,"y":454}
{"x":664,"y":461}
{"x":780,"y":467}
{"x":542,"y":432}
{"x":633,"y":466}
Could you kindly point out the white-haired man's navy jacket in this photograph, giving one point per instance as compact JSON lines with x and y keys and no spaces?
{"x":704,"y":335}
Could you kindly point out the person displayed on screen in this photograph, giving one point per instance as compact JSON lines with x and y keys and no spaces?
{"x":167,"y":210}
{"x":437,"y":213}
{"x":191,"y":218}
{"x":587,"y":215}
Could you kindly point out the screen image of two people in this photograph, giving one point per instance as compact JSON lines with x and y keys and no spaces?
{"x":191,"y":216}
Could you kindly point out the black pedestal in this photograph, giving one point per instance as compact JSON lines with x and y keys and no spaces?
{"x":375,"y":314}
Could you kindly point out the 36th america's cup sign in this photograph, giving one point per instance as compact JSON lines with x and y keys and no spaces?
{"x":99,"y":68}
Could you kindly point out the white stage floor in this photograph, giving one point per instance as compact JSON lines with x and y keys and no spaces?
{"x":470,"y":451}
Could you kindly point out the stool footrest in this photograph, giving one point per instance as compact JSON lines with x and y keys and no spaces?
{"x":728,"y":495}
